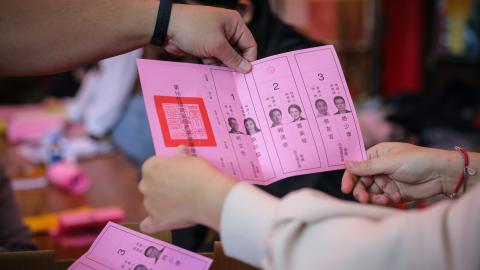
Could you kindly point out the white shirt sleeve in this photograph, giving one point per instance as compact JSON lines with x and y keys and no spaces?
{"x":247,"y":217}
{"x":310,"y":230}
{"x":85,"y":95}
{"x":114,"y":85}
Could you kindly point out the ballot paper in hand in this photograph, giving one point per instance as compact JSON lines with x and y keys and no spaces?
{"x":291,"y":115}
{"x":118,"y":247}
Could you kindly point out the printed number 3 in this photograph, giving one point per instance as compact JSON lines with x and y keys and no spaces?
{"x":275,"y":86}
{"x":321,"y":77}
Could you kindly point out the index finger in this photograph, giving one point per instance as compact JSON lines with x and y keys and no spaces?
{"x":348,"y":182}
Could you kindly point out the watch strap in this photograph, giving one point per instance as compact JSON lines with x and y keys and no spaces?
{"x":161,"y":25}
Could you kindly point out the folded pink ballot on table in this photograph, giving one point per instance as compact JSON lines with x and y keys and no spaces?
{"x":291,"y":115}
{"x":118,"y":247}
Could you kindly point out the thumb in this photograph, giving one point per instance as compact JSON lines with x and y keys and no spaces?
{"x":232,"y":58}
{"x":148,"y":226}
{"x":370,"y":167}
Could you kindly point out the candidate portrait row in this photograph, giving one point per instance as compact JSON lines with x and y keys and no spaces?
{"x":295,"y":112}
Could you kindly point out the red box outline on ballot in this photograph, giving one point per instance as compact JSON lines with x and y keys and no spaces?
{"x":160,"y":100}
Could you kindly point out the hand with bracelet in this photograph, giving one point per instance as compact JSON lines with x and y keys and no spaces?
{"x":400,"y":172}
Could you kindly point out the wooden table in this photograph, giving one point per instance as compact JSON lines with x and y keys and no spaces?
{"x":114,"y":183}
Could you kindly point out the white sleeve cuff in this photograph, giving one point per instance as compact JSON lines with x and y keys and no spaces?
{"x":246,"y":221}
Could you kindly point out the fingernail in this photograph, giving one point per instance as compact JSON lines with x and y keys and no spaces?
{"x":245,"y":66}
{"x":182,"y":150}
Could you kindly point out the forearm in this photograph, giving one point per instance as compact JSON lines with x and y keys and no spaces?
{"x":210,"y":205}
{"x":246,"y":219}
{"x":307,"y":229}
{"x":47,"y":36}
{"x":345,"y":236}
{"x":262,"y":230}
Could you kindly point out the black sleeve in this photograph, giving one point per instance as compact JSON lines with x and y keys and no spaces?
{"x":14,"y":235}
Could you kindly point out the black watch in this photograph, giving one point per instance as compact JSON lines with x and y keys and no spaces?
{"x":161,"y":25}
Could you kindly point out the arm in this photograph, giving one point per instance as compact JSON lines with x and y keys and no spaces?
{"x":309,"y":230}
{"x":47,"y":36}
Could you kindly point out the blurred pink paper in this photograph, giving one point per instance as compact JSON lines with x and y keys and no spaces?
{"x":69,"y":177}
{"x":291,"y":115}
{"x":32,"y":126}
{"x":118,"y":247}
{"x":7,"y":111}
{"x":80,"y":229}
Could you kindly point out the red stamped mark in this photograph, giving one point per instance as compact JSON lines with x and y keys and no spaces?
{"x":184,"y":120}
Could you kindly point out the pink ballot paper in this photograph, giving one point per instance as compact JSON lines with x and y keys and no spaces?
{"x":118,"y":247}
{"x":291,"y":115}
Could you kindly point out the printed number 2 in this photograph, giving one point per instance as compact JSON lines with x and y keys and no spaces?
{"x":321,"y":77}
{"x":275,"y":86}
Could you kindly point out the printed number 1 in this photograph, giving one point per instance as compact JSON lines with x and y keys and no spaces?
{"x":275,"y":86}
{"x":321,"y":77}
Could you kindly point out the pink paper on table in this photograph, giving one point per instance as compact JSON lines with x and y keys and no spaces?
{"x":32,"y":126}
{"x":7,"y":111}
{"x":291,"y":115}
{"x":118,"y":247}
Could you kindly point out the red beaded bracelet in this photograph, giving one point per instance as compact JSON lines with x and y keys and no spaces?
{"x":462,"y":180}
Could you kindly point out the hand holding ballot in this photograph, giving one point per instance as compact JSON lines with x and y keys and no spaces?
{"x":401,"y":172}
{"x":181,"y":191}
{"x":216,"y":33}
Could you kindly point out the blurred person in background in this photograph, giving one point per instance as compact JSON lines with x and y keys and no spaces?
{"x":14,"y":235}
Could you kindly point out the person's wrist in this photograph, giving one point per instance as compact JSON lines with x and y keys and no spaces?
{"x":450,"y":167}
{"x":212,"y":197}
